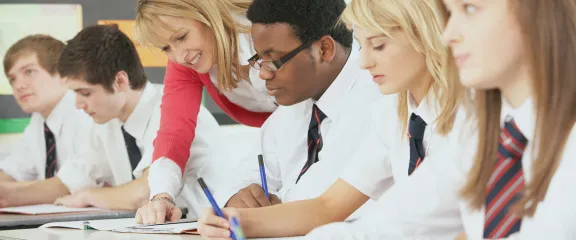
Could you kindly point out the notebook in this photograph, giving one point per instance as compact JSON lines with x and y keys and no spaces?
{"x":45,"y":209}
{"x":128,"y":225}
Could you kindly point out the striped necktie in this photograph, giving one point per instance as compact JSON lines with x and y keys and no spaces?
{"x":315,"y":141}
{"x":134,"y":153}
{"x":51,"y":157}
{"x":505,"y":185}
{"x":416,"y":128}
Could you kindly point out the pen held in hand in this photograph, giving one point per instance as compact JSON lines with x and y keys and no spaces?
{"x":263,"y":176}
{"x":213,"y":203}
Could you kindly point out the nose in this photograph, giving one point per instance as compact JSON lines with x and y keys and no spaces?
{"x":19,"y":84}
{"x":265,"y":74}
{"x":450,"y":36}
{"x":180,"y":55}
{"x":79,"y":103}
{"x":366,"y":61}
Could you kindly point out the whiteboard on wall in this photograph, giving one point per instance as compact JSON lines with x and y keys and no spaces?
{"x":61,"y":21}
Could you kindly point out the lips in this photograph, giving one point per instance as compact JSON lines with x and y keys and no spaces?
{"x":25,"y":97}
{"x":272,"y":90}
{"x":377,"y":78}
{"x":193,"y":60}
{"x":460,"y":59}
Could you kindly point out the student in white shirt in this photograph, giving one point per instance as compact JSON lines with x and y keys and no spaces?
{"x":103,"y":68}
{"x":295,"y":169}
{"x":30,"y":66}
{"x":514,"y":162}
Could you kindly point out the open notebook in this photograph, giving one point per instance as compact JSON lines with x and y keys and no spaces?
{"x":45,"y":209}
{"x":128,"y":225}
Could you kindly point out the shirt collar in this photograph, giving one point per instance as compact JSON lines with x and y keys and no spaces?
{"x":428,"y":108}
{"x":330,"y":102}
{"x":56,"y":118}
{"x":524,"y":117}
{"x":137,"y":122}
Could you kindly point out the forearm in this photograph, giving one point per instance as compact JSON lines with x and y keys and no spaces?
{"x":301,"y":216}
{"x":39,"y":192}
{"x":5,"y":177}
{"x":129,"y":196}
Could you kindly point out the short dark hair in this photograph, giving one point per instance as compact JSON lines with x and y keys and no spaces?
{"x":46,"y":48}
{"x":310,"y":19}
{"x":98,"y":53}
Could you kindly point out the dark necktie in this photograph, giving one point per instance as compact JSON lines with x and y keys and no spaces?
{"x":505,"y":185}
{"x":51,"y":157}
{"x":416,"y":128}
{"x":314,"y":139}
{"x":133,"y":151}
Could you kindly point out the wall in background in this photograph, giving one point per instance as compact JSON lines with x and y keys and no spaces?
{"x":90,"y":12}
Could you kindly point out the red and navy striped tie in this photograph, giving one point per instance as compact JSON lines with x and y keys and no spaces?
{"x":50,"y":152}
{"x":314,"y":139}
{"x":416,"y":128}
{"x":505,"y":185}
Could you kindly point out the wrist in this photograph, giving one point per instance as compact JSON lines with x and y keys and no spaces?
{"x":163,"y":197}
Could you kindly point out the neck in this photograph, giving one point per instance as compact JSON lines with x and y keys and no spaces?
{"x":420,"y":89}
{"x":132,"y":99}
{"x":336,"y":67}
{"x":518,"y":89}
{"x":45,"y":114}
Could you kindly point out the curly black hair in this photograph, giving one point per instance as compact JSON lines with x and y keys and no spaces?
{"x":310,"y":19}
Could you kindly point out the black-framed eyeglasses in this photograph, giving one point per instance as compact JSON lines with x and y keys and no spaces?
{"x":273,"y":65}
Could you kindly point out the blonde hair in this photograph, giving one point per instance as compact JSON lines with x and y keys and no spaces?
{"x":216,"y":14}
{"x":423,"y":27}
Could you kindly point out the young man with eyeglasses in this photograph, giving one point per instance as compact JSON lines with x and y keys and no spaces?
{"x":310,"y":67}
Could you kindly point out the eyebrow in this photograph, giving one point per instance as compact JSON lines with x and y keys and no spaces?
{"x":81,"y":89}
{"x":21,"y":68}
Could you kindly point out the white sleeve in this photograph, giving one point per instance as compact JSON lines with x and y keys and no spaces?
{"x":370,"y":171}
{"x":88,"y":166}
{"x":20,"y":163}
{"x":165,"y":176}
{"x":247,"y":170}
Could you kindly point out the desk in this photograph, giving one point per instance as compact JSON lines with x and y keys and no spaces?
{"x":18,"y":221}
{"x":67,"y":234}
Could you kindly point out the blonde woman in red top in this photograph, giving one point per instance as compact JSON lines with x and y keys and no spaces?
{"x":208,"y":44}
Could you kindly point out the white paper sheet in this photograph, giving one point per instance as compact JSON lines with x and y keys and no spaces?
{"x":102,"y":225}
{"x":128,"y":225}
{"x":45,"y":209}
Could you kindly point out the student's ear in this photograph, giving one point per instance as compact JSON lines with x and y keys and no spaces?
{"x":327,"y":48}
{"x":121,"y":81}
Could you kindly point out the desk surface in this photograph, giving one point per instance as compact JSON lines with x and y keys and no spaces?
{"x":12,"y":221}
{"x":67,"y":234}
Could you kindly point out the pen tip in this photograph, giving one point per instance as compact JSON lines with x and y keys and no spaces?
{"x":202,"y":183}
{"x":260,"y":159}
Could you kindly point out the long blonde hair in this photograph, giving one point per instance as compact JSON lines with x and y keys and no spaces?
{"x":216,"y":14}
{"x":550,"y":44}
{"x":423,"y":27}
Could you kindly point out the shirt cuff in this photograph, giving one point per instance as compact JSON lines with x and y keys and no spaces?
{"x":165,"y":177}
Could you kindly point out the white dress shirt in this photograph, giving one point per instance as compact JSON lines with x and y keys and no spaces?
{"x":433,"y":190}
{"x":104,"y":158}
{"x":27,"y":160}
{"x":285,"y":139}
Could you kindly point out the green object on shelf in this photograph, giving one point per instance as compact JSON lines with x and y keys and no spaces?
{"x":13,"y":125}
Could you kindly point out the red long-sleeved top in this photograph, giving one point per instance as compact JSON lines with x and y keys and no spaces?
{"x":180,"y":106}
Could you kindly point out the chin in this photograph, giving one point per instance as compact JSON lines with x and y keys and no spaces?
{"x":471,"y":78}
{"x":100,"y":120}
{"x":386,"y":90}
{"x":284,"y":101}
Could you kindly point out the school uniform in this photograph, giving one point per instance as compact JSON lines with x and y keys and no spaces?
{"x":46,"y":143}
{"x":118,"y":152}
{"x":434,"y":188}
{"x":248,"y":104}
{"x":305,"y":146}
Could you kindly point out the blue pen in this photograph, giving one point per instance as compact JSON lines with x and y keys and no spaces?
{"x":213,"y":202}
{"x":263,"y":175}
{"x":237,"y":229}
